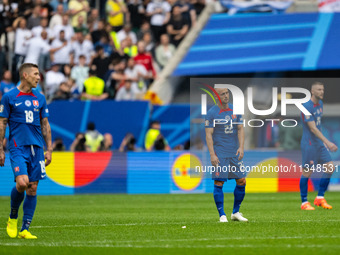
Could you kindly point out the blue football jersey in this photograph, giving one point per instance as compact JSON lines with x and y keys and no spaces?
{"x":24,"y":112}
{"x":316,"y":110}
{"x":225,"y":136}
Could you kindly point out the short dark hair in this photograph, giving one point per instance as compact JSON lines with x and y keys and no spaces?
{"x":91,"y":126}
{"x":24,"y":67}
{"x":317,"y":83}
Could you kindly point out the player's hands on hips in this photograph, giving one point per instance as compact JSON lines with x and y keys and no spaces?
{"x":332,"y":146}
{"x":214,"y":160}
{"x":2,"y":158}
{"x":240,"y":153}
{"x":48,"y":158}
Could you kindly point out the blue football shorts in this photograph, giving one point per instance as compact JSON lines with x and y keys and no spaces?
{"x":317,"y":154}
{"x":28,"y":160}
{"x":229,"y":168}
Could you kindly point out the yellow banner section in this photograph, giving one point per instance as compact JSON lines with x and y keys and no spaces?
{"x":61,"y":170}
{"x":262,"y":178}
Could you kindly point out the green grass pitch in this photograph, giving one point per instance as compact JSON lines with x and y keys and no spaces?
{"x":152,"y":224}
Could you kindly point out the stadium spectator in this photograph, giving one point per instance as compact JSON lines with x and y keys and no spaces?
{"x":78,"y":8}
{"x":81,"y":26}
{"x":79,"y":143}
{"x":56,"y":3}
{"x":128,"y":143}
{"x":145,"y":28}
{"x":115,"y":11}
{"x":100,"y":31}
{"x":107,"y":143}
{"x":178,"y":26}
{"x":105,"y":44}
{"x":164,"y":51}
{"x":100,"y":62}
{"x":66,"y":70}
{"x":57,"y":18}
{"x":146,"y":60}
{"x":149,"y":44}
{"x":53,"y":79}
{"x":93,"y":20}
{"x":154,"y":139}
{"x":159,"y":13}
{"x":127,"y":92}
{"x":187,"y":10}
{"x":137,"y":74}
{"x":118,"y":76}
{"x":64,"y":91}
{"x":80,"y":72}
{"x":36,"y":31}
{"x":36,"y":48}
{"x":137,"y":13}
{"x":93,"y":137}
{"x":25,"y":8}
{"x":58,"y":144}
{"x":129,"y":48}
{"x":126,"y":32}
{"x":66,"y":27}
{"x":94,"y":88}
{"x":46,"y":9}
{"x":6,"y":83}
{"x":198,"y":6}
{"x":81,"y":46}
{"x":22,"y":34}
{"x":8,"y":13}
{"x":62,"y":50}
{"x":34,"y":19}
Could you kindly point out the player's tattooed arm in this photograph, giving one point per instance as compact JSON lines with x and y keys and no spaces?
{"x":46,"y":132}
{"x":3,"y":124}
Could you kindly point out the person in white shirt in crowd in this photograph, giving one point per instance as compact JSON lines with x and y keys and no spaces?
{"x":159,"y":11}
{"x":37,"y":46}
{"x":127,"y":92}
{"x":69,"y":32}
{"x":81,"y":46}
{"x":57,"y":18}
{"x":80,"y":72}
{"x":53,"y":79}
{"x":36,"y":31}
{"x":22,"y":35}
{"x":137,"y":74}
{"x":62,"y":55}
{"x":164,"y":51}
{"x":126,"y":32}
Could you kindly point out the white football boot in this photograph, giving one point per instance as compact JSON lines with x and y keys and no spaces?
{"x":223,"y":218}
{"x":238,"y":217}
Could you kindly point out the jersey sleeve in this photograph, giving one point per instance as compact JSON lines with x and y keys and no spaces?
{"x":5,"y":107}
{"x":44,"y":110}
{"x":209,"y":120}
{"x":307,"y":118}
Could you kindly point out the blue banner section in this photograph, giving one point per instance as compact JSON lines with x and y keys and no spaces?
{"x":264,"y":42}
{"x":117,"y":118}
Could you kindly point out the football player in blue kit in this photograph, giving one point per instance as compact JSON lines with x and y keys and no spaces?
{"x":315,"y":149}
{"x":25,"y":111}
{"x":226,"y":147}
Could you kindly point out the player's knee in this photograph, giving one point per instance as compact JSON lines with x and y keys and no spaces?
{"x":22,"y":185}
{"x":241,"y":182}
{"x":219,"y":183}
{"x":32,"y":189}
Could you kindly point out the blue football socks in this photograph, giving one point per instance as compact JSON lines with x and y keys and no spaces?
{"x":219,"y":199}
{"x":324,"y":184}
{"x":29,"y":208}
{"x":304,"y":188}
{"x":16,"y":200}
{"x":239,"y":193}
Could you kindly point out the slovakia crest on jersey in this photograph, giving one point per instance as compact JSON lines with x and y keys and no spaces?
{"x":36,"y":103}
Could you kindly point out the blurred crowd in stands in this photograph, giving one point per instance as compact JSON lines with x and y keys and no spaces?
{"x":95,"y":49}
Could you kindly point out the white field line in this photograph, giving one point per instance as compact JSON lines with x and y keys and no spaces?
{"x":174,"y":223}
{"x":87,"y":244}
